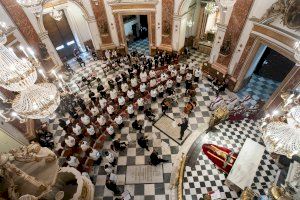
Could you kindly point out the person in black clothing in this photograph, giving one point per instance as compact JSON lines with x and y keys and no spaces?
{"x":101,"y":90}
{"x":73,"y":114}
{"x":91,"y":94}
{"x":94,"y":54}
{"x":113,"y":187}
{"x":155,"y":160}
{"x":164,"y":106}
{"x":80,"y":61}
{"x":136,"y":125}
{"x":148,"y":112}
{"x":143,"y":142}
{"x":183,"y":126}
{"x":188,"y":85}
{"x":62,"y":124}
{"x":117,"y":145}
{"x":111,"y":84}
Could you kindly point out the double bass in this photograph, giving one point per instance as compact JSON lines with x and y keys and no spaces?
{"x":189,"y":107}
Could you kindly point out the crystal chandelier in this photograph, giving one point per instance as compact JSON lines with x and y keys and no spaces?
{"x":15,"y":74}
{"x":211,"y":8}
{"x":39,"y":101}
{"x":282,"y":131}
{"x":56,"y":14}
{"x":35,"y":101}
{"x":36,"y":6}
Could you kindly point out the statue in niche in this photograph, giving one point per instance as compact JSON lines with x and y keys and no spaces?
{"x":287,"y":10}
{"x":43,"y":51}
{"x":225,"y":48}
{"x":167,"y":28}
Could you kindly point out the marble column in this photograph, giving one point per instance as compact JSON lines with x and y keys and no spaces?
{"x":219,"y":36}
{"x":167,"y":22}
{"x":94,"y":32}
{"x":102,"y":22}
{"x":22,"y":22}
{"x":201,"y":23}
{"x":234,"y":29}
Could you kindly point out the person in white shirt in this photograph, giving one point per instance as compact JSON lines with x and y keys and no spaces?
{"x":188,"y":76}
{"x":190,"y":67}
{"x":152,"y":82}
{"x":163,"y":77}
{"x":143,"y":76}
{"x":91,"y":131}
{"x":182,"y":69}
{"x":133,"y":82}
{"x":110,"y":158}
{"x":169,"y":83}
{"x":124,"y":87}
{"x":107,"y":54}
{"x":152,"y":74}
{"x":108,"y":168}
{"x":130,"y":111}
{"x":121,"y":101}
{"x":143,"y":88}
{"x":170,"y":68}
{"x":95,"y":111}
{"x":197,"y":74}
{"x":77,"y":129}
{"x":101,"y":120}
{"x":173,"y":73}
{"x":119,"y":122}
{"x":110,"y":110}
{"x":73,"y":161}
{"x":140,"y":103}
{"x":84,"y":145}
{"x":85,"y":119}
{"x":161,"y":90}
{"x":94,"y":155}
{"x":111,"y":131}
{"x":103,"y":103}
{"x":114,"y":54}
{"x":130,"y":95}
{"x":178,"y":80}
{"x":153,"y":94}
{"x":113,"y":94}
{"x":70,"y":141}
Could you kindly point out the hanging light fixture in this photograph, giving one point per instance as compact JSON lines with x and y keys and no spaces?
{"x":211,"y":8}
{"x":35,"y":101}
{"x":16,"y":74}
{"x":36,"y":6}
{"x":56,"y":14}
{"x":282,"y":131}
{"x":39,"y":101}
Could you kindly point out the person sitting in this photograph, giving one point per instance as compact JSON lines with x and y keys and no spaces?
{"x":94,"y":155}
{"x":143,"y":142}
{"x":72,"y":161}
{"x":119,"y":121}
{"x":77,"y":129}
{"x":130,"y":111}
{"x":95,"y":111}
{"x":165,"y":105}
{"x":110,"y":158}
{"x":84,"y":145}
{"x":70,"y":141}
{"x":108,"y":168}
{"x":155,"y":160}
{"x":137,"y":126}
{"x":111,"y":131}
{"x":117,"y":145}
{"x":85,"y":119}
{"x":63,"y":124}
{"x":148,"y":112}
{"x":101,"y":90}
{"x":91,"y":131}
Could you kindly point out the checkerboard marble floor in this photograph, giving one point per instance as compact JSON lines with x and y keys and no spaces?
{"x":164,"y":145}
{"x":141,"y":46}
{"x":202,"y":176}
{"x":259,"y":88}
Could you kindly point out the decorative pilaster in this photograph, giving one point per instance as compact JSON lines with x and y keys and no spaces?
{"x":102,"y":22}
{"x":94,"y":32}
{"x":167,"y":21}
{"x":235,"y":26}
{"x":201,"y":23}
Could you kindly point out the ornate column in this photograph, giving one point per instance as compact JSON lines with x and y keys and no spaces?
{"x":94,"y":32}
{"x":22,"y":22}
{"x":201,"y":24}
{"x":167,"y":24}
{"x":236,"y":23}
{"x":102,"y":22}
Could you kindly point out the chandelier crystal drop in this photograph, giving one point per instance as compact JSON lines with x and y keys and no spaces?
{"x":15,"y":74}
{"x":56,"y":14}
{"x":38,"y":101}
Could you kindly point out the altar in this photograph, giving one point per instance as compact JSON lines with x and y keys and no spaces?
{"x":244,"y":169}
